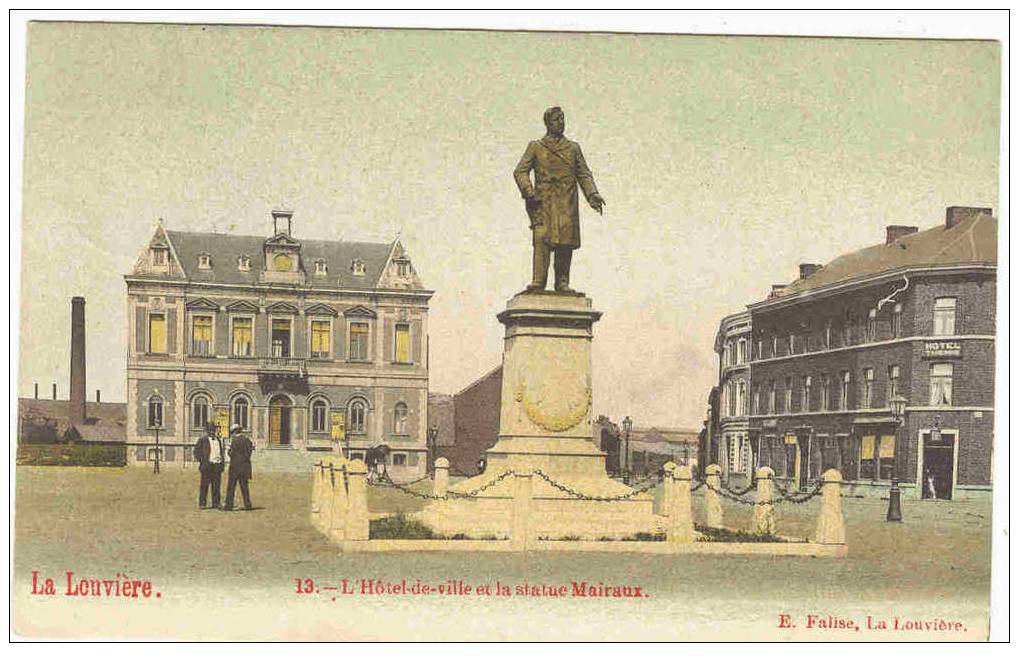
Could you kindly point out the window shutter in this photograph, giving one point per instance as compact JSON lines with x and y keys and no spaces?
{"x":387,"y":339}
{"x":171,"y":331}
{"x":415,"y":342}
{"x":139,"y":331}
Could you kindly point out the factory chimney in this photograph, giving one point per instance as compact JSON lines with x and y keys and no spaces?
{"x":77,"y":394}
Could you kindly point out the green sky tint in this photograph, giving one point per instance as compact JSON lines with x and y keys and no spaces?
{"x":724,"y":162}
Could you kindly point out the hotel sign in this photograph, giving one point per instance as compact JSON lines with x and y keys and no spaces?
{"x":942,"y":349}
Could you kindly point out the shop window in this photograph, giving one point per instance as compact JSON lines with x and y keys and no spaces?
{"x":868,"y":459}
{"x":886,"y":456}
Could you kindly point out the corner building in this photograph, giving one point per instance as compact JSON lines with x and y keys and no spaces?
{"x":310,"y":346}
{"x":913,"y":316}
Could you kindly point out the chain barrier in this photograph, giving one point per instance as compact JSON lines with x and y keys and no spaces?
{"x":584,"y":497}
{"x":797,"y":499}
{"x":387,"y":482}
{"x":699,"y":484}
{"x":747,"y":490}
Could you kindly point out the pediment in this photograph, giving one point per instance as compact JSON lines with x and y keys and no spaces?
{"x":281,"y":307}
{"x":320,"y":309}
{"x":242,"y":307}
{"x":282,"y":239}
{"x":359,"y":311}
{"x":201,"y":303}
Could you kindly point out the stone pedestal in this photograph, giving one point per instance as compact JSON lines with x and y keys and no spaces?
{"x":545,"y":428}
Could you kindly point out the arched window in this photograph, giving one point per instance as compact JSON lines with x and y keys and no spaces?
{"x":400,"y":418}
{"x":318,"y":415}
{"x":239,"y":412}
{"x":199,"y":412}
{"x":358,"y":414}
{"x":155,"y":412}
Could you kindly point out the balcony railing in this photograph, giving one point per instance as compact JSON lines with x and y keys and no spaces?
{"x":284,"y":365}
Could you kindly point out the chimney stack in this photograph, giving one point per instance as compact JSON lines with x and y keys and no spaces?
{"x":279,"y":215}
{"x":895,"y":232}
{"x":956,"y":215}
{"x":54,"y":391}
{"x":98,"y":400}
{"x":77,"y":393}
{"x":777,"y":290}
{"x":806,"y":270}
{"x":37,"y":390}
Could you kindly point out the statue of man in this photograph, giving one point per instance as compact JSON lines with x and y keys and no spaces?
{"x":551,"y":202}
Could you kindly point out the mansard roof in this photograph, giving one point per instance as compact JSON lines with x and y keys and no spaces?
{"x":972,"y":241}
{"x":225,"y":249}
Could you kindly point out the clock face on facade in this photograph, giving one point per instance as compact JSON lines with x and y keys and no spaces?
{"x":283,"y":262}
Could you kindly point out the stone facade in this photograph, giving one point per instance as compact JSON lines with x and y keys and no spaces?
{"x":311,"y":346}
{"x":732,"y":446}
{"x":828,"y":354}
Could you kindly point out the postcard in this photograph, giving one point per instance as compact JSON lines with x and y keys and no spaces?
{"x":365,"y":334}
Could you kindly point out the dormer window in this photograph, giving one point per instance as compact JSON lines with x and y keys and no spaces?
{"x":159,"y":256}
{"x":244,"y":263}
{"x":320,"y":268}
{"x":403,"y":269}
{"x":357,"y":267}
{"x":204,"y":261}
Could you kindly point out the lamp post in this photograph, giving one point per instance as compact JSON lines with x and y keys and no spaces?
{"x":897,"y":405}
{"x":433,"y":438}
{"x":627,"y":426}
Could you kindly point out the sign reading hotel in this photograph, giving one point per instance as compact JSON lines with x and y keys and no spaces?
{"x":940,"y":349}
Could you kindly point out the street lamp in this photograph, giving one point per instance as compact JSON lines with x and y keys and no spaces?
{"x":897,"y":405}
{"x":627,"y":426}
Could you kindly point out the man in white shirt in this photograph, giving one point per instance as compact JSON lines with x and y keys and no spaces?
{"x":210,"y":454}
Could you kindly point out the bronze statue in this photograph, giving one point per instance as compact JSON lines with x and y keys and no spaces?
{"x":551,"y":202}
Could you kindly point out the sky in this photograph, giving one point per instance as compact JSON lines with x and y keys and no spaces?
{"x":724,"y":162}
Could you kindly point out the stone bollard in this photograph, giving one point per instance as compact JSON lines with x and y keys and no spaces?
{"x":712,"y":502}
{"x":357,"y":501}
{"x":668,"y":488}
{"x":338,"y":501}
{"x":522,"y":490}
{"x":316,"y":492}
{"x":441,"y":485}
{"x":764,"y":515}
{"x":326,"y":512}
{"x":680,"y":528}
{"x":831,"y":528}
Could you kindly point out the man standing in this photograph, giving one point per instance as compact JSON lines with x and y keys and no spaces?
{"x":240,"y":467}
{"x":209,"y":454}
{"x":551,"y":202}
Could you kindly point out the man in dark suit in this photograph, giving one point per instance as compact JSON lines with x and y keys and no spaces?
{"x":210,"y":457}
{"x":240,"y":467}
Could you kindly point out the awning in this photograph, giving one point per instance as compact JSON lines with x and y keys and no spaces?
{"x":875,"y":420}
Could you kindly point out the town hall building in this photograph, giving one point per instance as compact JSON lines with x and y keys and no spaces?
{"x":309,"y":345}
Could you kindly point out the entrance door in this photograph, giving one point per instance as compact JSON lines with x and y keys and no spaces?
{"x":803,"y":460}
{"x":279,"y":421}
{"x":938,"y":467}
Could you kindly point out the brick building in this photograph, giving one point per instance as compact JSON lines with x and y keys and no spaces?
{"x":913,"y":316}
{"x":306,"y":344}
